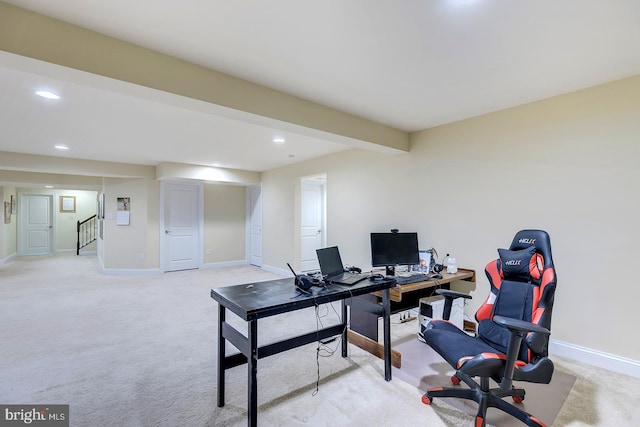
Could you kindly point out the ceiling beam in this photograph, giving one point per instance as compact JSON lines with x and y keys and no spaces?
{"x":33,"y":35}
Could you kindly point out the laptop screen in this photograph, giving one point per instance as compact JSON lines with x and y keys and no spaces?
{"x":330,"y":261}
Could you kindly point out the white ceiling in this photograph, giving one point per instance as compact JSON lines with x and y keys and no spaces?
{"x":408,"y":64}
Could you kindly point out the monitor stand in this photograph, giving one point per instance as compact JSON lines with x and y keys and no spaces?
{"x":390,"y":270}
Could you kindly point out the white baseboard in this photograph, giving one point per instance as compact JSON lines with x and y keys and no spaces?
{"x":596,"y":358}
{"x":7,"y":259}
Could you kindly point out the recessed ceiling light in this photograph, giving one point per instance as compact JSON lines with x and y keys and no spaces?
{"x":61,"y":147}
{"x":278,"y":140}
{"x":47,"y":94}
{"x":215,"y":165}
{"x":48,"y":186}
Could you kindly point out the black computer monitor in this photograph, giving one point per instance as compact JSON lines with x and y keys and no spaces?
{"x":391,"y":249}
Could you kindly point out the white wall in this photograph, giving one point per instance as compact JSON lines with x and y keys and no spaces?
{"x":569,"y":165}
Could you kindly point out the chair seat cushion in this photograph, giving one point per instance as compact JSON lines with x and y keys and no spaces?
{"x":468,"y":354}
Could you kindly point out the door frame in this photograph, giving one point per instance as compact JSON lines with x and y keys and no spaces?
{"x":22,"y":213}
{"x":316,"y":179}
{"x":164,"y":250}
{"x":248,"y":224}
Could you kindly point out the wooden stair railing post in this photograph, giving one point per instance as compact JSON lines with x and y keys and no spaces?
{"x":78,"y":241}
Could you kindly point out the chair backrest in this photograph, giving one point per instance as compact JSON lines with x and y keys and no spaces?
{"x":523,"y":282}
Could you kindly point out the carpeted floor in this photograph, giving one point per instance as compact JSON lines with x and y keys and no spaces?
{"x":140,"y":351}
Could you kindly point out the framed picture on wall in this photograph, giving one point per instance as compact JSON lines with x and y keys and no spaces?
{"x":123,"y":206}
{"x":68,"y":204}
{"x":101,"y":206}
{"x":7,"y":212}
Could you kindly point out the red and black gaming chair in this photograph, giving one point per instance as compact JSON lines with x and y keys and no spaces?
{"x":513,"y":330}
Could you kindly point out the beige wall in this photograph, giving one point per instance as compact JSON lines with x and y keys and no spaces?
{"x":569,"y":165}
{"x":67,"y":223}
{"x":137,"y":246}
{"x":134,"y":246}
{"x":224,"y":223}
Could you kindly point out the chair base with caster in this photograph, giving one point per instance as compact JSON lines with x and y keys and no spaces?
{"x":486,"y":398}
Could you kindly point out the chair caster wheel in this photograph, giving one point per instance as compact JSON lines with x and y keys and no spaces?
{"x":517,"y":399}
{"x":426,"y":400}
{"x":455,"y":380}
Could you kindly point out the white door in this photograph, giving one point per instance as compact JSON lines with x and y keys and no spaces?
{"x":36,"y":224}
{"x":181,"y":226}
{"x":312,"y":233}
{"x":255,"y":225}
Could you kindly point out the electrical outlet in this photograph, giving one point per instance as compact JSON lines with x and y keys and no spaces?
{"x":208,"y":251}
{"x":141,"y":255}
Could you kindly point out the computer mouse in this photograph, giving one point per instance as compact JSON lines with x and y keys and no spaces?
{"x":376,"y":277}
{"x":436,"y":276}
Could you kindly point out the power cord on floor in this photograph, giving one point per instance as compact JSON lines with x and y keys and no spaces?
{"x":407,"y":317}
{"x":322,"y":348}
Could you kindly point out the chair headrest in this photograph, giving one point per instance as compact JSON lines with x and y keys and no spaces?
{"x":539,"y":239}
{"x":523,"y":265}
{"x":527,"y":257}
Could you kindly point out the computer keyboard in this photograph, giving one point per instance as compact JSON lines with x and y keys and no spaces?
{"x":405,"y":280}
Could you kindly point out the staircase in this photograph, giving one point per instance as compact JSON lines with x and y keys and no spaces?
{"x":86,"y":232}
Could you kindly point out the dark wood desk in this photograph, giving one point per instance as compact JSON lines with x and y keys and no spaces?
{"x":254,"y":301}
{"x":366,"y":337}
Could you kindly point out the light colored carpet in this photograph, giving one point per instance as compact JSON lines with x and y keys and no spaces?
{"x":141,"y":351}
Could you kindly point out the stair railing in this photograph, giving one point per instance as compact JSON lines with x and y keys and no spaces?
{"x":86,"y":233}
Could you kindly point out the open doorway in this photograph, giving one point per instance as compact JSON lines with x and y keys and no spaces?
{"x":313,"y":223}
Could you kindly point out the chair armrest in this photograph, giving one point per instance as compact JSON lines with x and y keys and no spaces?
{"x":452,"y":294}
{"x":518,"y":328}
{"x":449,"y":296}
{"x":520,"y":325}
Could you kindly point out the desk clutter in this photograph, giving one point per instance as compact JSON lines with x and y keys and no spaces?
{"x":316,"y":278}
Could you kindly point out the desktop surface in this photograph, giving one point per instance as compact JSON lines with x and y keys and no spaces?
{"x":262,"y":299}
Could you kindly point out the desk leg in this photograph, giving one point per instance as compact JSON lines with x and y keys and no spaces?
{"x":252,"y":363}
{"x":344,"y":328}
{"x":221,"y":355}
{"x":386,"y":324}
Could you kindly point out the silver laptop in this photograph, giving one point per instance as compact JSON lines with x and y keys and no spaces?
{"x":333,"y":270}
